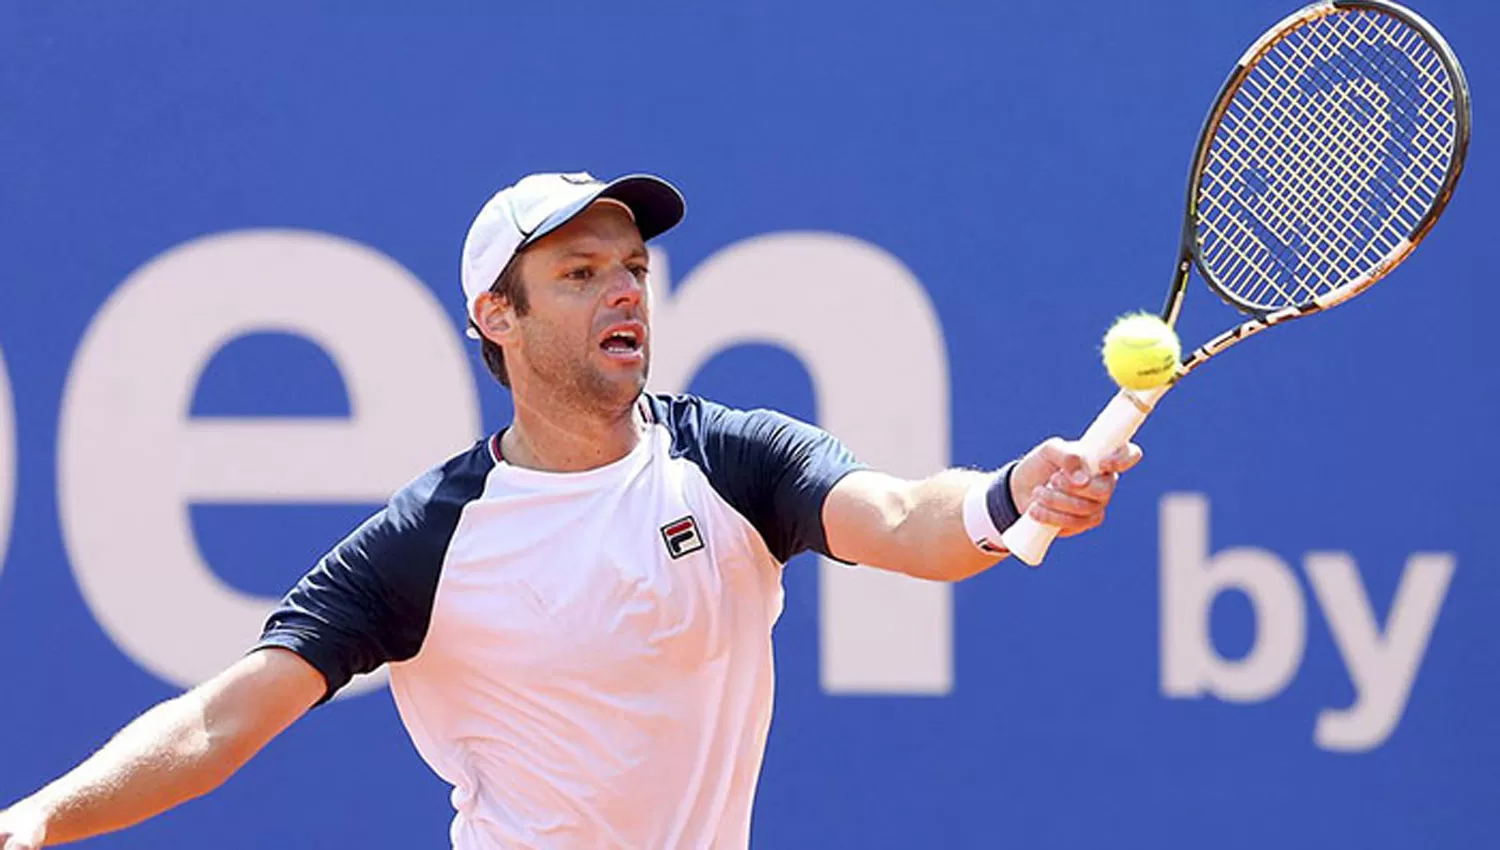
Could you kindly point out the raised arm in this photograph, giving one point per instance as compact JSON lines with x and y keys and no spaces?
{"x":930,"y":528}
{"x":179,"y":750}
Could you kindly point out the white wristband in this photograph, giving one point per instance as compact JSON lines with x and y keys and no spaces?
{"x":978,"y":523}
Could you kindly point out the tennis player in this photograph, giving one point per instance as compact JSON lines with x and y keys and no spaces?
{"x":577,"y":610}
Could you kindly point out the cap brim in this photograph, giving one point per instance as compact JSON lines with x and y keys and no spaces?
{"x":656,"y":205}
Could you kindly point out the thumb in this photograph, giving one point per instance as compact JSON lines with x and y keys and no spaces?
{"x":1065,"y":456}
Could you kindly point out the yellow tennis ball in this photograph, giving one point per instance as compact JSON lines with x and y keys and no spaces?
{"x":1141,"y":351}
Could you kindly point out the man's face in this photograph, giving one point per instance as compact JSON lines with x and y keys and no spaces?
{"x":584,"y":336}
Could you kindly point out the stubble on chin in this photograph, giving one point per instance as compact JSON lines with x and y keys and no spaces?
{"x":608,"y":396}
{"x":618,"y":394}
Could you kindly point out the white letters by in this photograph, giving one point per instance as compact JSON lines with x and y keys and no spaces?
{"x":1382,"y":665}
{"x":7,"y":459}
{"x":821,"y":296}
{"x":130,"y":458}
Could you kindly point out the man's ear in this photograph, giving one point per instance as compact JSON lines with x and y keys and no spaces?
{"x":495,"y":316}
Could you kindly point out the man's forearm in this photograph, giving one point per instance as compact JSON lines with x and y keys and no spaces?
{"x":911,"y":527}
{"x":947,"y":527}
{"x":931,"y":540}
{"x":163,"y":758}
{"x":1053,"y":484}
{"x":178,"y":750}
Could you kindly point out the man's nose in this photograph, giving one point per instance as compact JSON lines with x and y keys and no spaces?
{"x":625,"y":288}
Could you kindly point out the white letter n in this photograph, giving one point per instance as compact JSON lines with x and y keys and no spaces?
{"x":821,"y":296}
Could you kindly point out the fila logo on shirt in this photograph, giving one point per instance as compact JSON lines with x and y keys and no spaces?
{"x":681,"y":536}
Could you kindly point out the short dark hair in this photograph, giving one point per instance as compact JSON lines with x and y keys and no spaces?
{"x":509,"y":287}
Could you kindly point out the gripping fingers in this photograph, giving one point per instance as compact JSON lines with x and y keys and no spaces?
{"x":1097,"y":489}
{"x":1069,"y":513}
{"x":1067,"y":504}
{"x":1121,"y":459}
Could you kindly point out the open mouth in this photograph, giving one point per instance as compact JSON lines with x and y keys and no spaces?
{"x":623,"y":341}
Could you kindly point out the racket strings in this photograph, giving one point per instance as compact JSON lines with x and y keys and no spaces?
{"x":1435,"y":104}
{"x":1328,"y":156}
{"x":1321,"y":183}
{"x":1340,"y":203}
{"x":1330,"y":186}
{"x":1300,"y":155}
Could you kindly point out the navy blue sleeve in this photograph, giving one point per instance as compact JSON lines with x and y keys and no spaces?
{"x":774,"y":470}
{"x":369,"y":601}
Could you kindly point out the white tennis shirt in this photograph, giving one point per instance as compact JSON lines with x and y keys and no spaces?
{"x":585,"y":657}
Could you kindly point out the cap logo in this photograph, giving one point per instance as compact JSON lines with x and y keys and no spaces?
{"x":681,"y":537}
{"x":536,"y":197}
{"x":528,"y":215}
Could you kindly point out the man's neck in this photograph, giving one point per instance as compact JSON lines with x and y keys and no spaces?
{"x":559,"y":439}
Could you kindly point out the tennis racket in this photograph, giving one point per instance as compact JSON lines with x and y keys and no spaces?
{"x":1328,"y":155}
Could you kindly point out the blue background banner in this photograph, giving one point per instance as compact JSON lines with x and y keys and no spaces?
{"x":230,"y":321}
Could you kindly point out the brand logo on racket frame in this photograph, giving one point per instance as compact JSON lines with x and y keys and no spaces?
{"x":681,"y":537}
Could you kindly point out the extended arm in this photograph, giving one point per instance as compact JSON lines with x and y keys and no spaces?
{"x":365,"y":604}
{"x":918,"y":527}
{"x":179,"y":750}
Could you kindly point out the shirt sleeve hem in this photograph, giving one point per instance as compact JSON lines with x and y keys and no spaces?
{"x":307,"y":652}
{"x":823,"y":503}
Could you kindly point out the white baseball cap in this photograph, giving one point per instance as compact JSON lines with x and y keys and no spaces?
{"x":540,"y":203}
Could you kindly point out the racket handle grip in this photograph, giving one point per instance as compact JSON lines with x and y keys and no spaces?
{"x":1028,"y":539}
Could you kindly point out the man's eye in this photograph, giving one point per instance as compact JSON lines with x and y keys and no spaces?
{"x":640,"y":272}
{"x":583,"y":273}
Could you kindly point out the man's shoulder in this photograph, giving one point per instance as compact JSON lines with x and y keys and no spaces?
{"x":458,"y":479}
{"x":704,"y":430}
{"x":668,"y":408}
